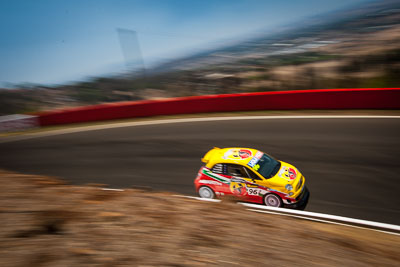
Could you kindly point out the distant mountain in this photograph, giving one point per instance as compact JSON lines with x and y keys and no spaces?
{"x":366,"y":17}
{"x":352,"y":48}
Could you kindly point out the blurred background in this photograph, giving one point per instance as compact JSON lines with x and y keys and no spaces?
{"x":57,"y":54}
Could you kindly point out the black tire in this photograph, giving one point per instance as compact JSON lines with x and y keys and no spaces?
{"x":273,"y":200}
{"x":206,"y":192}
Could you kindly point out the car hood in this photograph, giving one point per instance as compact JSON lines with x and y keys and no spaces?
{"x":287,"y":174}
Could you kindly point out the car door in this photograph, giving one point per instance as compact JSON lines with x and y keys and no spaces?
{"x":244,"y":183}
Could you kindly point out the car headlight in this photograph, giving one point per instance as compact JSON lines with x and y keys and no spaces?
{"x":289,"y":187}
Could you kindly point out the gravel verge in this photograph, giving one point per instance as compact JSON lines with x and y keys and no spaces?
{"x":49,"y":223}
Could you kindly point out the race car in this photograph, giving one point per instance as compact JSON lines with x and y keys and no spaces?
{"x":251,"y":176}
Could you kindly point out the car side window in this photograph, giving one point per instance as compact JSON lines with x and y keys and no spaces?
{"x":236,"y":170}
{"x":252,"y":175}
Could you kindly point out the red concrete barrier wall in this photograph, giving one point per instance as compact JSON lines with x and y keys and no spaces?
{"x":382,"y":98}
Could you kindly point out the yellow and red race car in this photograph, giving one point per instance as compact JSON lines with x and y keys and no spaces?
{"x":252,"y":176}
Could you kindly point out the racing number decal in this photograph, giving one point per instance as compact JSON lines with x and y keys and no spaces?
{"x":241,"y":189}
{"x":253,"y":191}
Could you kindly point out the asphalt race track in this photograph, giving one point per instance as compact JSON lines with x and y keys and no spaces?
{"x":351,"y":165}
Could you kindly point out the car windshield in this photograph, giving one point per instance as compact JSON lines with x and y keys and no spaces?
{"x":268,"y":166}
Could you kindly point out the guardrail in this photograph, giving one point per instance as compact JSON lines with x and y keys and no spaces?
{"x":18,"y":122}
{"x":381,"y":98}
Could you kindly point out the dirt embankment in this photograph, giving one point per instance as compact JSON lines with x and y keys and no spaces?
{"x":48,"y":223}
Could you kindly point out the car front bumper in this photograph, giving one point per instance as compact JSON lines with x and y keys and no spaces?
{"x":302,"y":203}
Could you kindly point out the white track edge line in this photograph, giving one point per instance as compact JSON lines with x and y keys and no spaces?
{"x":199,"y":198}
{"x":324,"y":221}
{"x":321,"y":216}
{"x":112,"y":189}
{"x":326,"y":216}
{"x":167,"y":121}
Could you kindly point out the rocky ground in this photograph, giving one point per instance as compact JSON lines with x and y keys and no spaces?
{"x":46,"y":222}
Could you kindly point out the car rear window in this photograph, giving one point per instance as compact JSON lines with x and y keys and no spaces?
{"x":218,"y":168}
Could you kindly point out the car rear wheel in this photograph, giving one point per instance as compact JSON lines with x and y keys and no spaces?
{"x":272,"y":200}
{"x":206,"y":192}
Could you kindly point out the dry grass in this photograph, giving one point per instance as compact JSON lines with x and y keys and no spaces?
{"x":48,"y":223}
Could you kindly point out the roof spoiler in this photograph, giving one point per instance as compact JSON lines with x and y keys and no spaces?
{"x":209,"y":154}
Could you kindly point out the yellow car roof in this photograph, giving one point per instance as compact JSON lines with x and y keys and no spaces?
{"x":237,"y":155}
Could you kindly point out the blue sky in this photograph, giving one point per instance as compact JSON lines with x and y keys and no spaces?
{"x":54,"y":41}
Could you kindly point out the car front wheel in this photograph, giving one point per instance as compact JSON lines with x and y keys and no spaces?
{"x":206,"y":192}
{"x":272,"y":200}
